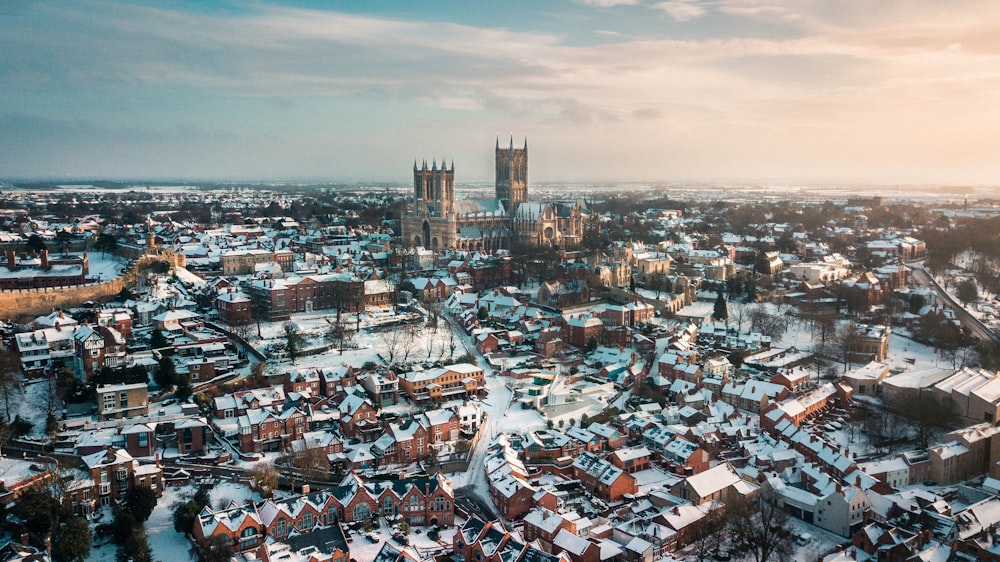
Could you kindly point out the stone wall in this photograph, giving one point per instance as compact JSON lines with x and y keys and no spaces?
{"x":25,"y":304}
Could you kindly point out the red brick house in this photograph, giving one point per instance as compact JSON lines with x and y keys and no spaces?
{"x":543,"y":525}
{"x":266,"y":430}
{"x":240,"y":524}
{"x":234,"y":308}
{"x":302,"y":381}
{"x":480,"y":541}
{"x":192,"y":435}
{"x":631,"y":460}
{"x":358,"y":418}
{"x":113,"y":473}
{"x":602,"y":478}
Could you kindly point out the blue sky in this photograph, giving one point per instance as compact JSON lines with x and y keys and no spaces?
{"x":786,"y":91}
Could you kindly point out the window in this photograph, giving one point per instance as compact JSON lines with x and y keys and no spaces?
{"x":281,"y":528}
{"x":144,"y":439}
{"x":109,"y":401}
{"x":248,"y":538}
{"x":362,"y":512}
{"x":307,"y":521}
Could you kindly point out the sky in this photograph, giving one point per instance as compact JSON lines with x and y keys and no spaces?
{"x":784,"y":91}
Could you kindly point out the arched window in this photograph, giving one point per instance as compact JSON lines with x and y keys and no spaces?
{"x":362,"y":512}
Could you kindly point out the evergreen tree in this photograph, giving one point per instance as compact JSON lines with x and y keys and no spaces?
{"x":720,"y":311}
{"x":166,"y":372}
{"x":71,"y":542}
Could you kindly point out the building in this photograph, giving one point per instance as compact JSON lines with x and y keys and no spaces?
{"x":234,"y":308}
{"x":868,"y":343}
{"x":116,"y":401}
{"x":243,"y":262}
{"x":602,"y":478}
{"x":113,"y":473}
{"x":450,"y":381}
{"x":39,"y":271}
{"x":439,"y":221}
{"x":277,"y":299}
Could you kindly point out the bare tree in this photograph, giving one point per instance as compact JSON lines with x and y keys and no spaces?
{"x":311,"y":464}
{"x":263,"y":479}
{"x":845,"y":342}
{"x":393,"y":340}
{"x":758,"y":527}
{"x":704,"y":534}
{"x":739,"y":314}
{"x":452,"y":343}
{"x":10,"y":379}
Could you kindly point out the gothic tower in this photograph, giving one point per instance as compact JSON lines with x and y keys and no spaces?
{"x":435,"y":186}
{"x":512,"y":175}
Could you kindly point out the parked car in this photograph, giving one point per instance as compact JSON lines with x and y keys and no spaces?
{"x":373,"y":537}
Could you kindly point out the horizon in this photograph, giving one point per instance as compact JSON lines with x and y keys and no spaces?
{"x":605,"y":91}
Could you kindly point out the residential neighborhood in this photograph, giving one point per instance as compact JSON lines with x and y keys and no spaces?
{"x":276,"y":383}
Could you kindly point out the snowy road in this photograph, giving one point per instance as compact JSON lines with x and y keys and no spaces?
{"x":499,"y":418}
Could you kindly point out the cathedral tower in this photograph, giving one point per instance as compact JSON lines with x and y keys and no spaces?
{"x":512,"y":175}
{"x":435,"y":186}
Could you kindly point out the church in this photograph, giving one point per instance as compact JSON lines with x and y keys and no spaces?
{"x":439,"y":221}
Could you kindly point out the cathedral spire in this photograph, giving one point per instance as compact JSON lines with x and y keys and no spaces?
{"x":526,"y":143}
{"x":512,"y":141}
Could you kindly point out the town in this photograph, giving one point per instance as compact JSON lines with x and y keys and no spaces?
{"x":441,"y":371}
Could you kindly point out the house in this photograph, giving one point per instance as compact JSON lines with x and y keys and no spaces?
{"x":192,"y":435}
{"x":234,"y":307}
{"x":112,"y":474}
{"x":602,"y":478}
{"x":441,"y":383}
{"x":631,"y":460}
{"x":263,"y":430}
{"x":480,"y":541}
{"x":358,"y":418}
{"x":17,"y":475}
{"x":719,"y":483}
{"x":543,"y":525}
{"x":116,"y":401}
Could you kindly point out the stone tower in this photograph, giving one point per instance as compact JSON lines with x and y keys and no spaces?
{"x":435,"y":186}
{"x":512,"y":175}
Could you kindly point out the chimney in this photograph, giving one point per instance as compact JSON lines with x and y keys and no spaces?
{"x":11,"y":259}
{"x":157,"y":460}
{"x":44,"y":257}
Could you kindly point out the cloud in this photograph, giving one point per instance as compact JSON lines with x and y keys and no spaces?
{"x":608,"y":3}
{"x":681,"y":10}
{"x":805,"y":71}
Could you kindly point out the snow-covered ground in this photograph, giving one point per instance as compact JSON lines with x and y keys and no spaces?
{"x":167,"y":544}
{"x":420,"y":545}
{"x":104,"y":267}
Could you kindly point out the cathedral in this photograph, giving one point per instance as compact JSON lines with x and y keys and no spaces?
{"x":438,"y":221}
